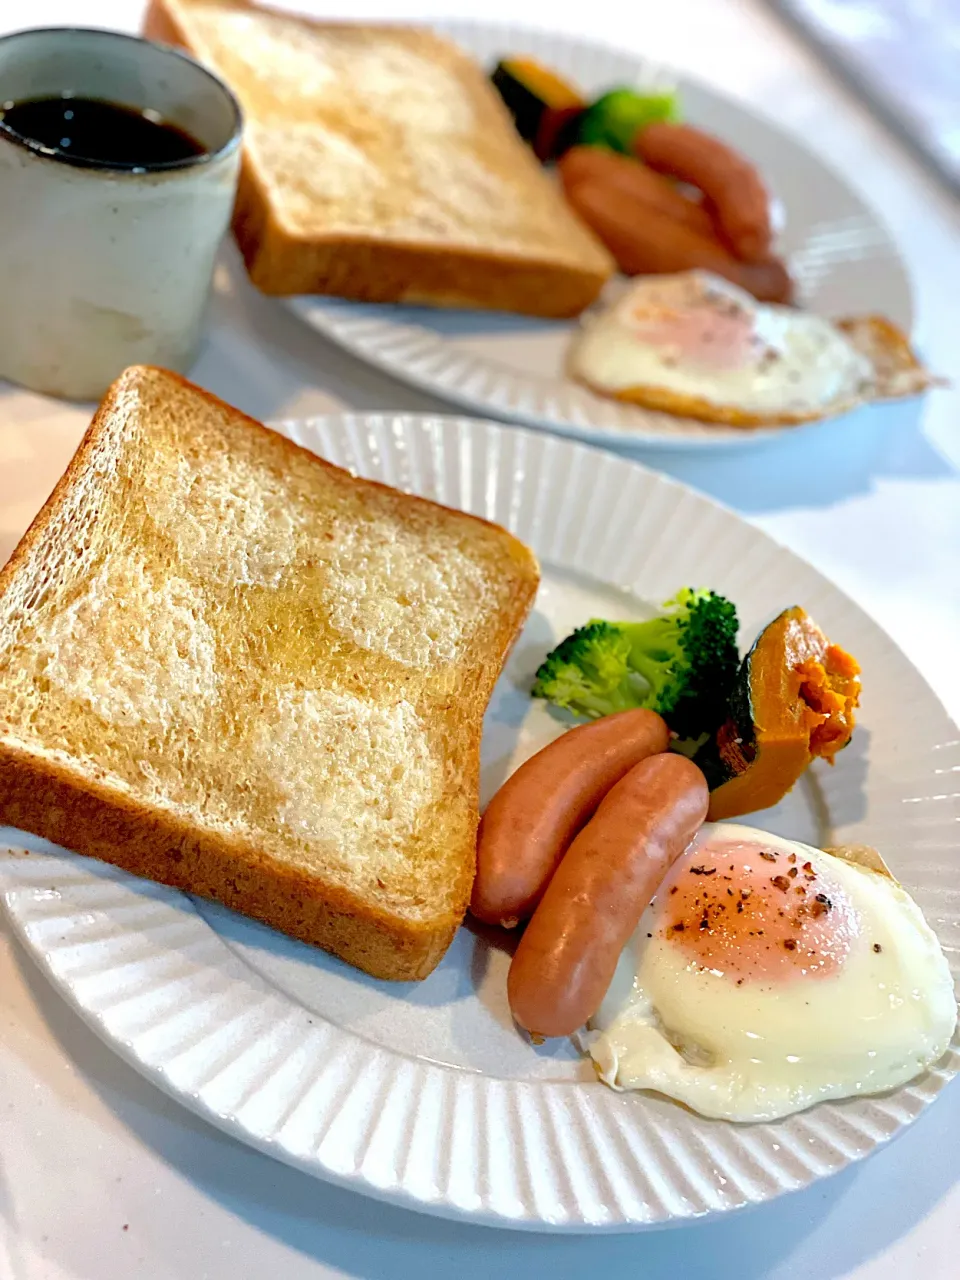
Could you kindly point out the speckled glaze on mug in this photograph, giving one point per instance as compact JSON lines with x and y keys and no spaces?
{"x":103,"y":267}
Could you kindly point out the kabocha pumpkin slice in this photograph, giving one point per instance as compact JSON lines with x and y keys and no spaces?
{"x":545,"y":108}
{"x":794,"y":700}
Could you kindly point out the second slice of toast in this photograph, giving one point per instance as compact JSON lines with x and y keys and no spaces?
{"x":231,"y":667}
{"x":379,"y":164}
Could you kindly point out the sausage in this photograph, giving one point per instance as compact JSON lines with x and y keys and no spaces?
{"x":645,"y":242}
{"x":599,"y":167}
{"x":730,"y":183}
{"x":539,"y":809}
{"x":566,"y":958}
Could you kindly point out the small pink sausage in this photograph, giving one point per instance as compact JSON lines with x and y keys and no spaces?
{"x":539,"y":809}
{"x":565,"y":961}
{"x":646,"y":241}
{"x":732,"y":186}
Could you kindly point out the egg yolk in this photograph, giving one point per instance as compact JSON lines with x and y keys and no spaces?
{"x":756,"y":912}
{"x":718,"y":338}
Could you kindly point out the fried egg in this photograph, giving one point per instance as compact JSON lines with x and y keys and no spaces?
{"x":700,"y":347}
{"x":767,"y":976}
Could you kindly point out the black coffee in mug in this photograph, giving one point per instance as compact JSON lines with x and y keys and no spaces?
{"x":91,"y":131}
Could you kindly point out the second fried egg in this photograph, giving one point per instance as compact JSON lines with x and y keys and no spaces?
{"x":697,"y":346}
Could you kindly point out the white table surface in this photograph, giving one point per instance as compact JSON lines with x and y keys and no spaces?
{"x":104,"y":1178}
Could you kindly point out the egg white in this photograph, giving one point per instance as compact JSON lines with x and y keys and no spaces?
{"x":759,"y":1051}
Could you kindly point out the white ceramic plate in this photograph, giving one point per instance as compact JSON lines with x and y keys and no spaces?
{"x":511,"y":367}
{"x":425,"y":1094}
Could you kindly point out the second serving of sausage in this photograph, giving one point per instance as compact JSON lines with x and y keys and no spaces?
{"x":684,"y":201}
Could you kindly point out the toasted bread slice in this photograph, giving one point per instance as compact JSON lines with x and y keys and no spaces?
{"x":231,"y":667}
{"x":379,"y":164}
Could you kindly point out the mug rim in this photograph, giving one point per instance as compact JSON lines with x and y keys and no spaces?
{"x":105,"y":166}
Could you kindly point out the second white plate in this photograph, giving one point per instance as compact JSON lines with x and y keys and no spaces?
{"x":512,"y":368}
{"x":425,"y":1094}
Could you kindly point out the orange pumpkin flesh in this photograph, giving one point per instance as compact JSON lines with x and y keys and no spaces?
{"x":794,"y":701}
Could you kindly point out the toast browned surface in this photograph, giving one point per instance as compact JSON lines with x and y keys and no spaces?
{"x":231,"y":667}
{"x":379,"y":164}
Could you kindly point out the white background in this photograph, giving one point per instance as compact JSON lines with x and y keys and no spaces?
{"x":103,"y":1178}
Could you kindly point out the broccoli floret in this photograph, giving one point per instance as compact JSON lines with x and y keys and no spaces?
{"x":681,"y":664}
{"x":589,"y":672}
{"x":616,"y":118}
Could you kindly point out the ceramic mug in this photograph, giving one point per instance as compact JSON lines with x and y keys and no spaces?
{"x":103,"y":267}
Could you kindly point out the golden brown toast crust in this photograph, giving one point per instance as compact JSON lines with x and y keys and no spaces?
{"x":362,"y":271}
{"x":378,"y":268}
{"x":81,"y":808}
{"x":46,"y":799}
